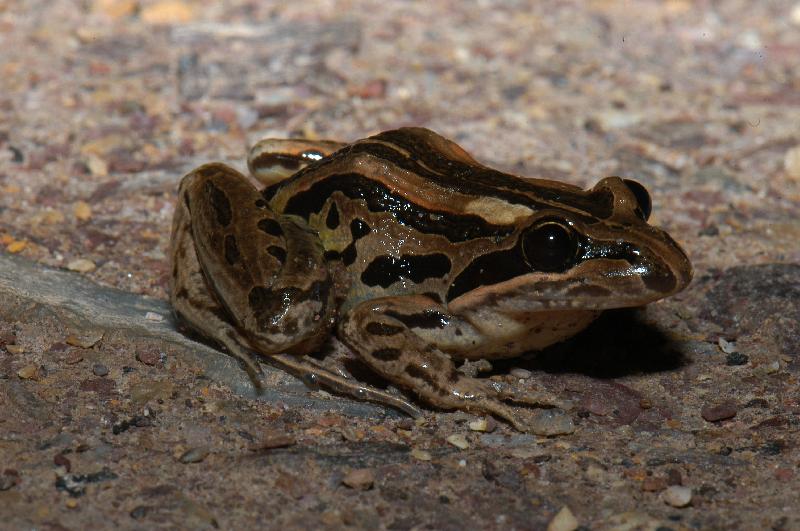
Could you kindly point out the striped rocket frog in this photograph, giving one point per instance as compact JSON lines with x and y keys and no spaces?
{"x":415,"y":255}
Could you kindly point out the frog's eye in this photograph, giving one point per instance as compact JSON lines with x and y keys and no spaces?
{"x":642,"y":198}
{"x":550,"y":246}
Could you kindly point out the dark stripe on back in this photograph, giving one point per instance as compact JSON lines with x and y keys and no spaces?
{"x":468,"y":179}
{"x":454,"y":227}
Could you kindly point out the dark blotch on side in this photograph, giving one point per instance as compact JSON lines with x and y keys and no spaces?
{"x":278,"y":252}
{"x":386,"y":270}
{"x":332,"y":219}
{"x":270,"y":226}
{"x":387,"y":354}
{"x":383,"y":329}
{"x":359,"y":229}
{"x":231,"y":250}
{"x":487,"y":270}
{"x":419,"y":373}
{"x":219,"y":201}
{"x":349,"y":254}
{"x":428,"y":319}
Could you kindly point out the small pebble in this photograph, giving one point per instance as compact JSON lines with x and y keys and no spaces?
{"x":96,"y":165}
{"x":674,"y":477}
{"x":359,"y":479}
{"x":167,"y":12}
{"x":736,"y":358}
{"x":651,"y":484}
{"x":73,"y":357}
{"x":193,"y":455}
{"x":550,"y":422}
{"x":148,"y":357}
{"x":726,"y":346}
{"x":16,"y":246}
{"x":84,"y":341}
{"x":564,"y":520}
{"x":99,"y":369}
{"x":421,"y":455}
{"x":271,"y":440}
{"x":518,"y":372}
{"x":8,"y":479}
{"x":81,"y":265}
{"x":678,"y":496}
{"x":61,"y":460}
{"x":153,"y":316}
{"x":791,"y":161}
{"x":715,"y":413}
{"x":485,"y":424}
{"x":29,"y":372}
{"x":458,"y":440}
{"x":71,"y":503}
{"x":82,"y":210}
{"x":15,"y":349}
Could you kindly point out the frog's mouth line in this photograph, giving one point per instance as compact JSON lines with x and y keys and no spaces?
{"x":598,"y":284}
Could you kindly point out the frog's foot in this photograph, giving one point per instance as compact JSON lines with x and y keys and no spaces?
{"x":488,"y":396}
{"x":530,"y":397}
{"x":400,"y":338}
{"x":314,"y":375}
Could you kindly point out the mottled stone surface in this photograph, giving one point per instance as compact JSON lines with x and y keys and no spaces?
{"x":686,"y":413}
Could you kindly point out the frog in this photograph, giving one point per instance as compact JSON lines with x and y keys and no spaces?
{"x":417,"y":257}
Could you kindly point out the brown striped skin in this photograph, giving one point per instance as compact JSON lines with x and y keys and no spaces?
{"x":416,"y":255}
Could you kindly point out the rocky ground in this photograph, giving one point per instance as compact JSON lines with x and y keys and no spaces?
{"x":686,"y":413}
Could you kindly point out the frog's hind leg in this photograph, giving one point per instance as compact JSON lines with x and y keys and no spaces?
{"x":405,"y":338}
{"x":272,"y":160}
{"x":267,"y":270}
{"x":193,"y":300}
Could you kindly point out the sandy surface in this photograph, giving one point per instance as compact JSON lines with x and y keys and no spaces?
{"x":686,"y":413}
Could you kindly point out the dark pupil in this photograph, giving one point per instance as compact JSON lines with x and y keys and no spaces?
{"x":642,"y":197}
{"x":550,"y":247}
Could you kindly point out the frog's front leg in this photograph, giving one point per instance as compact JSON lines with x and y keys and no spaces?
{"x":405,"y":338}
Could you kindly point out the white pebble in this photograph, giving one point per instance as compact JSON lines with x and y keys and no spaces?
{"x":458,"y":440}
{"x":81,"y":265}
{"x":518,"y":372}
{"x":678,"y":496}
{"x":153,"y":316}
{"x":564,"y":520}
{"x":791,"y":162}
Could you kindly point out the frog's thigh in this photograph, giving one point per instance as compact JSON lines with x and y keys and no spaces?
{"x":387,"y":334}
{"x":189,"y":294}
{"x":266,"y":270}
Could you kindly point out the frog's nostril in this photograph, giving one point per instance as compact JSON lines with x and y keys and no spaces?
{"x":642,"y":198}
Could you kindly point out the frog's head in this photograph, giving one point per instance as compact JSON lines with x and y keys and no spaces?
{"x":585,"y":249}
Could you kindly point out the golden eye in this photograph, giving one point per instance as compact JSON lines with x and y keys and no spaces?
{"x":550,"y":246}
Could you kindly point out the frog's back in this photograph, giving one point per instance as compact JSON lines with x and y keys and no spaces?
{"x":407,"y":211}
